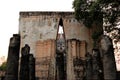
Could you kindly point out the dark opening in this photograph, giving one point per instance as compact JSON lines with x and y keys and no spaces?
{"x":60,"y":52}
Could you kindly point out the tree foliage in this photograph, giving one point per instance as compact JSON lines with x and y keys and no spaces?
{"x":3,"y":66}
{"x":94,"y":11}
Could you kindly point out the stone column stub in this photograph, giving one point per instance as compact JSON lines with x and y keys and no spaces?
{"x":31,"y":67}
{"x":97,"y":65}
{"x":88,"y":66}
{"x":13,"y":58}
{"x":70,"y":67}
{"x":108,"y":59}
{"x":24,"y":64}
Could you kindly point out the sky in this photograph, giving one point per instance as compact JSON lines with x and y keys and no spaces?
{"x":9,"y":16}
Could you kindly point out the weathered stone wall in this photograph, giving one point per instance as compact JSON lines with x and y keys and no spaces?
{"x":45,"y":51}
{"x":45,"y":58}
{"x":43,"y":48}
{"x":35,"y":26}
{"x":39,"y":31}
{"x":75,"y":64}
{"x":13,"y":58}
{"x":70,"y":67}
{"x":78,"y":48}
{"x":108,"y":59}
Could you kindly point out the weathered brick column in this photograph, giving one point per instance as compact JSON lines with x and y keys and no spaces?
{"x":24,"y":64}
{"x":31,"y":67}
{"x":83,"y":49}
{"x":52,"y":68}
{"x":78,"y":49}
{"x":88,"y":66}
{"x":107,"y":54}
{"x":70,"y":67}
{"x":74,"y":47}
{"x":13,"y":58}
{"x":97,"y":65}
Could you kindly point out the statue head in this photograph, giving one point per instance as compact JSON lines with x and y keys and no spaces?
{"x":60,"y":46}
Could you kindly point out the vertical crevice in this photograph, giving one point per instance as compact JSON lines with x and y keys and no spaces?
{"x":60,"y":52}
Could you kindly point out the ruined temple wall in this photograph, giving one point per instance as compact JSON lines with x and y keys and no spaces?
{"x":43,"y":48}
{"x":78,"y":48}
{"x":45,"y":53}
{"x":39,"y":26}
{"x":75,"y":59}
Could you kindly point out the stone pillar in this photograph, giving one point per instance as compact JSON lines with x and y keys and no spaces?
{"x":49,"y":47}
{"x":39,"y":52}
{"x":82,"y":49}
{"x":31,"y":67}
{"x":78,"y":49}
{"x":88,"y":66}
{"x":74,"y":47}
{"x":52,"y":68}
{"x":44,"y":56}
{"x":107,"y":54}
{"x":97,"y":65}
{"x":53,"y":59}
{"x":24,"y":64}
{"x":70,"y":67}
{"x":44,"y":48}
{"x":13,"y":58}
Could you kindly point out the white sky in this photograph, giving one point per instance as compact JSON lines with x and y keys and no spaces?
{"x":60,"y":30}
{"x":9,"y":15}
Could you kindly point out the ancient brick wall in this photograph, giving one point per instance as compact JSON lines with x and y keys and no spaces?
{"x":75,"y":59}
{"x":39,"y":30}
{"x":35,"y":26}
{"x":78,"y":48}
{"x":43,"y":48}
{"x":45,"y":51}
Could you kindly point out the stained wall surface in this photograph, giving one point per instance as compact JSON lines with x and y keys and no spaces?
{"x":40,"y":26}
{"x":39,"y":31}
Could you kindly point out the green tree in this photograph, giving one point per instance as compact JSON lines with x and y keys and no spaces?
{"x":92,"y":12}
{"x":3,"y":66}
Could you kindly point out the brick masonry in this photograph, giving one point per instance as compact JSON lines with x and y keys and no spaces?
{"x":39,"y":26}
{"x":39,"y":31}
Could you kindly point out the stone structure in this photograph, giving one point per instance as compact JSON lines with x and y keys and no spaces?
{"x":24,"y":64}
{"x":89,"y":66}
{"x":108,"y":59}
{"x":39,"y":30}
{"x":75,"y":64}
{"x":27,"y":64}
{"x":70,"y":74}
{"x":97,"y":66}
{"x":60,"y":53}
{"x":2,"y":75}
{"x":13,"y":58}
{"x":61,"y":47}
{"x":31,"y":67}
{"x":41,"y":26}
